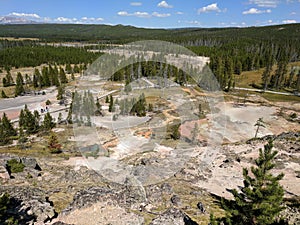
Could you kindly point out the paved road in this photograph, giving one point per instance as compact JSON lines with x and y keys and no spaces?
{"x":19,"y":102}
{"x":262,"y":91}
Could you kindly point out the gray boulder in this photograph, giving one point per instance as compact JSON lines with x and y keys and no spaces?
{"x":173,"y":216}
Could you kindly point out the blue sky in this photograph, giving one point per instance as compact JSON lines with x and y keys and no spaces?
{"x":152,"y":13}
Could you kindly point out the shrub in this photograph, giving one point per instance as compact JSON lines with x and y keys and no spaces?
{"x":14,"y":166}
{"x":48,"y":102}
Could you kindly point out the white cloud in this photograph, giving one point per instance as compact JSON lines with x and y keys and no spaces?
{"x":164,"y":4}
{"x":179,"y":13}
{"x":47,"y":19}
{"x":83,"y":20}
{"x":209,"y":8}
{"x":193,"y":22}
{"x":156,"y":14}
{"x":123,"y":13}
{"x":63,"y":20}
{"x":289,"y":21}
{"x":265,"y":3}
{"x":135,"y":3}
{"x":31,"y":15}
{"x":90,"y":19}
{"x":141,"y":14}
{"x":256,"y":11}
{"x":293,"y":13}
{"x":137,"y":14}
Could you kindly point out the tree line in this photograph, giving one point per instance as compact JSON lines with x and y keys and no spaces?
{"x":48,"y":76}
{"x":35,"y":55}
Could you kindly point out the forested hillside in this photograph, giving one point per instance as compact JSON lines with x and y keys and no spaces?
{"x":231,"y":50}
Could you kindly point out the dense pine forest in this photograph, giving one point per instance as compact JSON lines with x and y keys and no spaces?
{"x":231,"y":50}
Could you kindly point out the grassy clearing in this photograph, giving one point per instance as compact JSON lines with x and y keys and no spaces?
{"x":268,"y":96}
{"x":255,"y":77}
{"x":19,"y":39}
{"x":38,"y":147}
{"x":280,"y":98}
{"x":9,"y":91}
{"x":248,"y":77}
{"x":61,"y":200}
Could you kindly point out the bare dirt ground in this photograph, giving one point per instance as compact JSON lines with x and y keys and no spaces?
{"x":101,"y":213}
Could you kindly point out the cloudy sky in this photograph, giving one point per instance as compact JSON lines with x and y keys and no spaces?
{"x":152,"y":13}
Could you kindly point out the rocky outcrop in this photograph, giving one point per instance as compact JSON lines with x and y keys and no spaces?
{"x":32,"y":168}
{"x":31,"y":203}
{"x":173,"y":216}
{"x":88,"y":196}
{"x":4,"y":173}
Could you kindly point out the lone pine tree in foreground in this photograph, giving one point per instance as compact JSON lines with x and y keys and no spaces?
{"x":260,"y":200}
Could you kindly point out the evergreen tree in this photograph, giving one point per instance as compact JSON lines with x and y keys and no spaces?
{"x":260,"y":200}
{"x":53,"y":144}
{"x":29,"y":121}
{"x":59,"y":118}
{"x":298,"y":82}
{"x":62,"y":76}
{"x":111,"y":103}
{"x":4,"y":82}
{"x":60,"y":92}
{"x":48,"y":123}
{"x":22,"y":137}
{"x":238,"y":67}
{"x":45,"y":77}
{"x":19,"y":89}
{"x":22,"y":117}
{"x":37,"y":78}
{"x":8,"y":127}
{"x":9,"y":78}
{"x":6,"y":130}
{"x":3,"y":95}
{"x":68,"y":68}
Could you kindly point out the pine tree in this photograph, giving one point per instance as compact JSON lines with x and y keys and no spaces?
{"x":111,"y":104}
{"x":60,"y":93}
{"x":22,"y":137}
{"x":37,"y":78}
{"x":22,"y":117}
{"x":6,"y":130}
{"x":19,"y":89}
{"x":298,"y":82}
{"x":7,"y":126}
{"x":260,"y":200}
{"x":62,"y":76}
{"x":9,"y":78}
{"x":48,"y":123}
{"x":3,"y":94}
{"x":53,"y":144}
{"x":45,"y":77}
